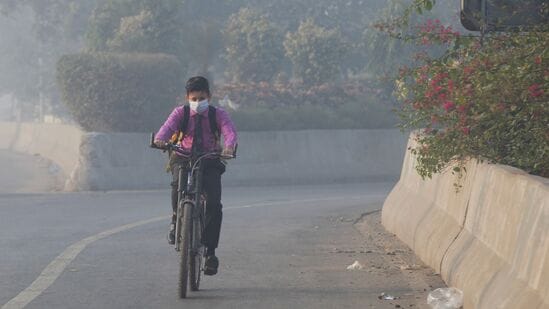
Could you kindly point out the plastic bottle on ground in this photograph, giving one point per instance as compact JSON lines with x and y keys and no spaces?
{"x":445,"y":298}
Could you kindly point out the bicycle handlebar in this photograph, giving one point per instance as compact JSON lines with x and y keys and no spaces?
{"x":179,"y":150}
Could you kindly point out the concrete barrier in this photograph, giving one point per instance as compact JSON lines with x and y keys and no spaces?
{"x":56,"y":142}
{"x":317,"y":156}
{"x":118,"y":161}
{"x":490,"y":239}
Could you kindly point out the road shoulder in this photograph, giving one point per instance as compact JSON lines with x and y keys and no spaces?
{"x":391,"y":258}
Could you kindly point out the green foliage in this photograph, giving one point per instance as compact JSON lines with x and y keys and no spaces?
{"x":350,"y":17}
{"x":203,"y":38}
{"x":289,"y":106}
{"x":316,"y":53}
{"x":386,"y":42}
{"x":485,"y":101}
{"x":253,"y":49}
{"x":119,"y":92}
{"x":353,"y":115}
{"x":262,"y":118}
{"x":148,"y":26}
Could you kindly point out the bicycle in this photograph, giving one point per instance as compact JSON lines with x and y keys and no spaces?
{"x":189,"y":224}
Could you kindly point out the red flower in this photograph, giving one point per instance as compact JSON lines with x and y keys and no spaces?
{"x":448,"y":105}
{"x":442,"y":96}
{"x":450,"y":86}
{"x":466,"y":130}
{"x":537,"y":60}
{"x":467,"y":70}
{"x":461,"y":108}
{"x":535,"y":91}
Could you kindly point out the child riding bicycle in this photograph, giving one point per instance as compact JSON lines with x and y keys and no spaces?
{"x":196,"y":127}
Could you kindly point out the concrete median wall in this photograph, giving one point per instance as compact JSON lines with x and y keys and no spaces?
{"x":490,"y":239}
{"x":56,"y":142}
{"x":118,"y":161}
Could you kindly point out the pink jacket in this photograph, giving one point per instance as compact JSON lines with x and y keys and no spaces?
{"x":224,"y":123}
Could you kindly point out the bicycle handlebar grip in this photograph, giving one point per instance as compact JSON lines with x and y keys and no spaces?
{"x":152,"y":145}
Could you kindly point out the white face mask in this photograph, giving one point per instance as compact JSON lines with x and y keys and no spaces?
{"x":199,"y":107}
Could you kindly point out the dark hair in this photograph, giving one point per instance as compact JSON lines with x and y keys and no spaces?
{"x":197,"y":83}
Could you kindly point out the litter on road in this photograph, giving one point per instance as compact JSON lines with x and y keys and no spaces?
{"x":355,"y":266}
{"x":387,"y":297}
{"x":445,"y":298}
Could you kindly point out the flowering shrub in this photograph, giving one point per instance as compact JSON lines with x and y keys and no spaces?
{"x":281,"y":94}
{"x":486,"y":101}
{"x":295,"y":106}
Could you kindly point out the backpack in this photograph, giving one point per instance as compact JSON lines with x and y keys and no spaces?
{"x":212,"y":117}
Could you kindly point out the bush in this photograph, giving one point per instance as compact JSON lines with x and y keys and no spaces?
{"x":351,"y":115}
{"x":119,"y":92}
{"x":290,"y":106}
{"x":488,"y":101}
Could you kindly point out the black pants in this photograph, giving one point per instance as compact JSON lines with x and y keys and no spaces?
{"x":211,"y":186}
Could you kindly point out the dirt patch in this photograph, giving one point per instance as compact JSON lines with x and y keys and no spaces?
{"x":390,"y":258}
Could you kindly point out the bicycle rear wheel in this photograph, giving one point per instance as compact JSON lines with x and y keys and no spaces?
{"x":184,"y":247}
{"x":197,"y":252}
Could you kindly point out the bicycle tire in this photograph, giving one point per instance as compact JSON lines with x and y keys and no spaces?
{"x":184,"y":249}
{"x":195,"y":267}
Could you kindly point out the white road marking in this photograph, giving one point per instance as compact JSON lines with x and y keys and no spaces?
{"x":58,"y":265}
{"x":307,"y":201}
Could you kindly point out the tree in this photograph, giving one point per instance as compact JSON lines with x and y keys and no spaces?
{"x":385,"y":41}
{"x":350,"y":17}
{"x":34,"y":34}
{"x":253,"y":49}
{"x":18,"y":60}
{"x":316,"y":53}
{"x":137,"y":26}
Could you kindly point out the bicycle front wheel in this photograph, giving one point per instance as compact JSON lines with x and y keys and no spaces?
{"x":197,"y":250}
{"x":184,"y":247}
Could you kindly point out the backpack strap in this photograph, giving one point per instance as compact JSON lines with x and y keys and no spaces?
{"x":186,"y":115}
{"x":212,"y":116}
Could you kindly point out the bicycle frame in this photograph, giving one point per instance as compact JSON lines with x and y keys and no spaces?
{"x":189,"y":193}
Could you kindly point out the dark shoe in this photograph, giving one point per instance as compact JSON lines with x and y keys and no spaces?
{"x":171,"y":235}
{"x":210,"y":265}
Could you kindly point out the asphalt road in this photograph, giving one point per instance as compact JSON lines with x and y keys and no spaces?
{"x":281,"y":247}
